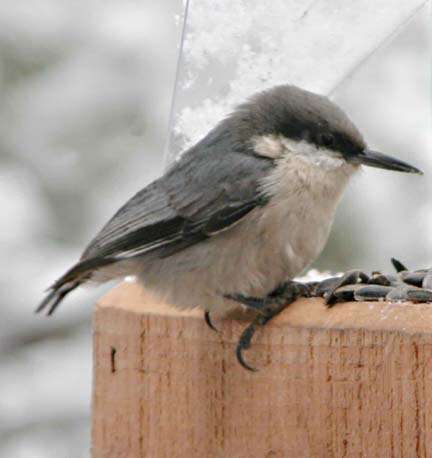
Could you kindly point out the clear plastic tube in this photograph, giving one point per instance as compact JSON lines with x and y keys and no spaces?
{"x":233,"y":48}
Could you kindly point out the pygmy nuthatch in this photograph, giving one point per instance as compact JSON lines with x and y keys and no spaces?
{"x":241,"y":213}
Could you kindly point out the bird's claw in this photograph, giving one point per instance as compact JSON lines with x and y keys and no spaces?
{"x":266,"y":309}
{"x":244,"y":343}
{"x":208,"y":321}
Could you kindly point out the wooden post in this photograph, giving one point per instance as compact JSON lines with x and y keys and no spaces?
{"x":353,"y":381}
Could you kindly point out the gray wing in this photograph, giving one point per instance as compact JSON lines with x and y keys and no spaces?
{"x":204,"y":193}
{"x":212,"y":187}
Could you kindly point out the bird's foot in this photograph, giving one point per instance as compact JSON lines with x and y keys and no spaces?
{"x":266,"y":308}
{"x":332,"y":288}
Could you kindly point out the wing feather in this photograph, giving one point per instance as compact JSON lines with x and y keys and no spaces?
{"x":201,"y":195}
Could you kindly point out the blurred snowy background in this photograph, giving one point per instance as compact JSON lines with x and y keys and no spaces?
{"x":85,"y":90}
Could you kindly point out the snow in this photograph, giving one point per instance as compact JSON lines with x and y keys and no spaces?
{"x":233,"y":48}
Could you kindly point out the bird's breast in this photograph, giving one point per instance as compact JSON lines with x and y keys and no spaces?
{"x":301,"y":210}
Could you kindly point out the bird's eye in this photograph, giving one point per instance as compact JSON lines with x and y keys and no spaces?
{"x":327,"y":139}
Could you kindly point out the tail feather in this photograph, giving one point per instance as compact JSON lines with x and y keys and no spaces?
{"x":57,"y":294}
{"x":76,"y":276}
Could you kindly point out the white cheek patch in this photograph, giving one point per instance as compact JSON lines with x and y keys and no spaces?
{"x":268,"y":146}
{"x":275,"y":146}
{"x":319,"y":156}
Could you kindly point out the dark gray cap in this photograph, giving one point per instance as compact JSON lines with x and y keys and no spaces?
{"x":298,"y":114}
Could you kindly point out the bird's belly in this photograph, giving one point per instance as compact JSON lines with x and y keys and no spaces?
{"x":252,"y":259}
{"x":203,"y":274}
{"x":294,"y":240}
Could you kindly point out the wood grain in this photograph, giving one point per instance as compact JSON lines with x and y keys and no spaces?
{"x":353,"y":381}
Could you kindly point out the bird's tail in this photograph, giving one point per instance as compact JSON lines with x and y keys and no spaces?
{"x":79,"y":274}
{"x":55,"y":296}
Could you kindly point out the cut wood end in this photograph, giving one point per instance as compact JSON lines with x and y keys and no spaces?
{"x":310,"y":313}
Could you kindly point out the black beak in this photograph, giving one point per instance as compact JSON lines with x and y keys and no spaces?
{"x":382,"y":161}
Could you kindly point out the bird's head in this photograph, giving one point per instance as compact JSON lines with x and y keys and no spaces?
{"x":289,"y":120}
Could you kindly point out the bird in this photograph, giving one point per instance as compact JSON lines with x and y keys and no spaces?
{"x":239,"y":215}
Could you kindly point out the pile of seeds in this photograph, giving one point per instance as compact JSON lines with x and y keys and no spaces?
{"x":403,"y":286}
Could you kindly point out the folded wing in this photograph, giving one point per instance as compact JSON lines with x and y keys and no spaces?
{"x":183,"y":208}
